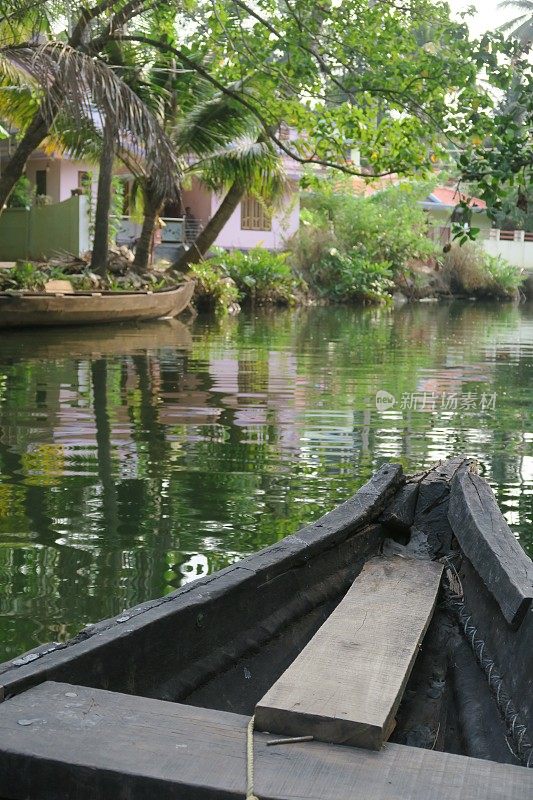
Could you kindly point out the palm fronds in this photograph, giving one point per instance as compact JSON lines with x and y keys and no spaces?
{"x":86,"y":90}
{"x":25,"y":20}
{"x":214,"y":122}
{"x":253,"y":164}
{"x":521,"y":27}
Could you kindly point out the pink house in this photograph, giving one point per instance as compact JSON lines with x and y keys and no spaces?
{"x":51,"y":174}
{"x":58,"y":177}
{"x":250,"y":224}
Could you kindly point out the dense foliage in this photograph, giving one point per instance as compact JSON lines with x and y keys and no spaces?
{"x":351,"y":278}
{"x":214,"y":290}
{"x":351,"y":247}
{"x":397,"y":82}
{"x":500,"y":160}
{"x":261,"y":276}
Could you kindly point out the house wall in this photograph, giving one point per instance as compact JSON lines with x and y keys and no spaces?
{"x":62,"y":174}
{"x":441,"y":217}
{"x":284,"y":224}
{"x":52,"y":167}
{"x":199,"y":199}
{"x":68,"y":179}
{"x":204,"y":204}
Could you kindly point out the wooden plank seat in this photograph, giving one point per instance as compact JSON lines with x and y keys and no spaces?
{"x":64,"y":741}
{"x":346,"y":684}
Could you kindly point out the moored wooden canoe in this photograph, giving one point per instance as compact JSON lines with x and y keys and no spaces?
{"x":156,"y":701}
{"x":26,"y":310}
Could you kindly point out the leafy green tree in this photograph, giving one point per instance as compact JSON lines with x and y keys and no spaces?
{"x":501,"y":163}
{"x":346,"y":77}
{"x":399,"y":85}
{"x":392,"y":97}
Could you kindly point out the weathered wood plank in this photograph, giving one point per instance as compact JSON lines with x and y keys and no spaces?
{"x":87,"y":743}
{"x":346,"y":685}
{"x":489,"y":544}
{"x":400,"y":513}
{"x":431,"y":514}
{"x":219,"y":616}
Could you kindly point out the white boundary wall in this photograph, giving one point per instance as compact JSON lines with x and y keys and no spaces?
{"x":517,"y":250}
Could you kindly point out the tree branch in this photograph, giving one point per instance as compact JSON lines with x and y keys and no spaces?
{"x":239,"y":98}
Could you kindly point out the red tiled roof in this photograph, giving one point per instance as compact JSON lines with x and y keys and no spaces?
{"x":449,"y":196}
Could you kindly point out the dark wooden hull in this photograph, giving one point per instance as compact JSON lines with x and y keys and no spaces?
{"x":92,"y":308}
{"x":215,"y":646}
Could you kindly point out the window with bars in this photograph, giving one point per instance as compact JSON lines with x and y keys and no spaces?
{"x":253,"y":215}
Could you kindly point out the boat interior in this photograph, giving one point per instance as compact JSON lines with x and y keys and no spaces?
{"x":410,"y":603}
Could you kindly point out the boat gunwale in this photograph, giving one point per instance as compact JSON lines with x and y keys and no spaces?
{"x":110,"y":744}
{"x":27,"y":295}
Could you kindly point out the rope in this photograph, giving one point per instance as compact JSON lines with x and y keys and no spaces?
{"x":250,"y":761}
{"x":517,"y":732}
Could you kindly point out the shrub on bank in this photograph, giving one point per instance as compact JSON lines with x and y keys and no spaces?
{"x":506,"y":278}
{"x":472,"y":271}
{"x":352,"y":278}
{"x":373,"y":240}
{"x":389,"y":226}
{"x":260,"y":275}
{"x":215,"y":291}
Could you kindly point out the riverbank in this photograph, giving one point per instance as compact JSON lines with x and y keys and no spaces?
{"x":228,"y":281}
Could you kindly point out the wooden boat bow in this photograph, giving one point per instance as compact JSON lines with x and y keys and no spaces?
{"x":158,"y":700}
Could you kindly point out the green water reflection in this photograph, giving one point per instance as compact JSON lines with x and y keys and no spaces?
{"x":133,"y":460}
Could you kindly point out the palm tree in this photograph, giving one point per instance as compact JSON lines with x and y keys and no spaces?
{"x":216,"y":140}
{"x":248,"y":166}
{"x":521,"y":27}
{"x":71,"y":81}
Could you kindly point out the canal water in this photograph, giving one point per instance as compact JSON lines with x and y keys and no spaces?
{"x":133,"y":460}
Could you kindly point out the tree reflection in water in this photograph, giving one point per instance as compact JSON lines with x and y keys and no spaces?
{"x":133,"y":460}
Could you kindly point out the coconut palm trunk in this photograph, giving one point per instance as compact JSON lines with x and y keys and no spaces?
{"x":143,"y":250}
{"x":14,"y":169}
{"x":103,"y":201}
{"x":208,"y":236}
